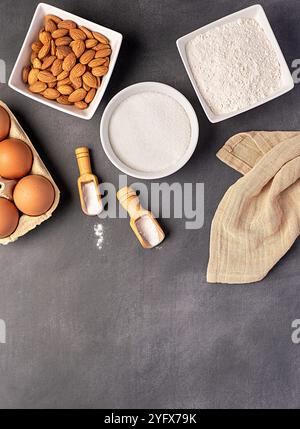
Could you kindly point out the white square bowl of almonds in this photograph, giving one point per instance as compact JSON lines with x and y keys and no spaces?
{"x":65,"y":62}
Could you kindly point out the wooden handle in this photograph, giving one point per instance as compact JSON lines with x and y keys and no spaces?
{"x":130,"y":201}
{"x":83,"y":160}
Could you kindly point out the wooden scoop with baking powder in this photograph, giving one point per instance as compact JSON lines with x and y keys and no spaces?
{"x":88,"y":184}
{"x":142,"y":221}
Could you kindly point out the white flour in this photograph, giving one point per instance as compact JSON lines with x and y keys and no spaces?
{"x":149,"y":131}
{"x":234,"y":65}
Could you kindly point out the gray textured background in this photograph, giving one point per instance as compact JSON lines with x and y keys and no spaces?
{"x":123,"y":327}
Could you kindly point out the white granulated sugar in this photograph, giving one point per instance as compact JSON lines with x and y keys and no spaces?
{"x":234,"y":65}
{"x":149,"y":131}
{"x":98,"y":231}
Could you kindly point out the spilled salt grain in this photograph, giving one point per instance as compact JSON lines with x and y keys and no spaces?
{"x":98,"y":232}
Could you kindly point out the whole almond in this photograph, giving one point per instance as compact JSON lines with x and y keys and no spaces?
{"x":63,"y":99}
{"x":69,"y":62}
{"x":67,"y":24}
{"x":90,"y":95}
{"x":100,"y":37}
{"x":100,"y":71}
{"x":50,"y":25}
{"x":38,"y":87}
{"x":52,"y":47}
{"x":98,"y":81}
{"x":46,"y":76}
{"x":44,"y":51}
{"x":85,"y":86}
{"x":90,"y":80}
{"x":87,"y":56}
{"x":25,"y":73}
{"x":62,"y":52}
{"x":98,"y":54}
{"x":51,"y":93}
{"x":77,"y":95}
{"x":78,"y":70}
{"x":48,"y":61}
{"x":103,"y":53}
{"x":101,"y":46}
{"x":66,"y":81}
{"x":33,"y":76}
{"x":59,"y":54}
{"x":45,"y":37}
{"x":81,"y":105}
{"x":87,"y":32}
{"x":54,"y":18}
{"x":63,"y":75}
{"x":63,"y":41}
{"x":56,"y":67}
{"x":77,"y":34}
{"x":76,"y":82}
{"x":97,"y":62}
{"x":78,"y":47}
{"x":60,"y":32}
{"x":33,"y":56}
{"x":65,"y":89}
{"x":36,"y":63}
{"x":36,"y":46}
{"x":106,"y":64}
{"x":91,"y":43}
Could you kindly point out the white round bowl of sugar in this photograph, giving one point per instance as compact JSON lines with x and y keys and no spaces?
{"x":149,"y":130}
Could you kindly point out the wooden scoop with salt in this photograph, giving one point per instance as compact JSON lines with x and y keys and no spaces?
{"x":142,"y":221}
{"x":88,"y":185}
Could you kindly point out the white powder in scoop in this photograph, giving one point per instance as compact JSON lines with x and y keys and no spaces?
{"x":147,"y":229}
{"x":149,"y":131}
{"x":91,"y":199}
{"x":234,"y":65}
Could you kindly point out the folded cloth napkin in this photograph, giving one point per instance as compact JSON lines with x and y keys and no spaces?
{"x":258,"y":219}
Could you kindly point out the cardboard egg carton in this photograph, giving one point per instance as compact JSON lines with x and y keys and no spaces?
{"x":27,"y":223}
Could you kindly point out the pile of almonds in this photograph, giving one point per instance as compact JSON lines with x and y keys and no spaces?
{"x":67,"y":62}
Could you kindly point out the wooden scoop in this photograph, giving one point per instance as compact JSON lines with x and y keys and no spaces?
{"x":88,"y":185}
{"x":142,"y":221}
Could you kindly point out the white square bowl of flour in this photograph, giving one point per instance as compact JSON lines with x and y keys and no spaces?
{"x":235,"y":64}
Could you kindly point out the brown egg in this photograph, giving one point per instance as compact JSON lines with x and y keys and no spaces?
{"x":15,"y":159}
{"x":34,"y":195}
{"x":4,"y":124}
{"x":9,"y":217}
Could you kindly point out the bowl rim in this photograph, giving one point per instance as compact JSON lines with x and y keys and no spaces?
{"x":255,"y":10}
{"x":44,"y":8}
{"x":131,"y":90}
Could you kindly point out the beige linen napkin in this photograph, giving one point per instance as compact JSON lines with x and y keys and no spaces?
{"x":258,"y":220}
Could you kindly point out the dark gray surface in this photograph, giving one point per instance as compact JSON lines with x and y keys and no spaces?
{"x":123,"y":327}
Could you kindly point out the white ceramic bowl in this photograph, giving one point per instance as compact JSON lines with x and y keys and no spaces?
{"x":148,"y":87}
{"x":15,"y":80}
{"x":257,"y":13}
